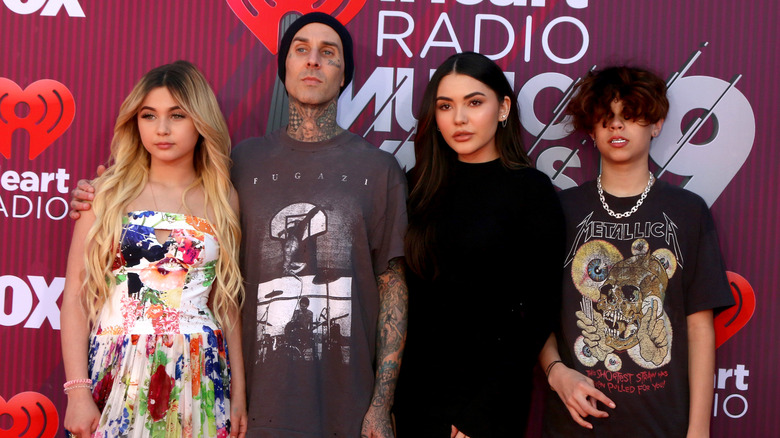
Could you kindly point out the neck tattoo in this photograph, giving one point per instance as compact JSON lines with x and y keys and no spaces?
{"x":312,"y":123}
{"x":650,"y":182}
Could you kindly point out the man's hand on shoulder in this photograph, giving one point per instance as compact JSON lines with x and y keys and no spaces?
{"x":83,"y":195}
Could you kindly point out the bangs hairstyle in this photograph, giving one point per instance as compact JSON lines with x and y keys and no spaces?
{"x":642,"y":92}
{"x":128,"y":173}
{"x":435,"y":159}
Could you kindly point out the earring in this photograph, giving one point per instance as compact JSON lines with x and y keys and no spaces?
{"x":503,"y":122}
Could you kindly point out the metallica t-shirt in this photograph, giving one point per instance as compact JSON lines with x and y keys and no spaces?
{"x":629,"y":285}
{"x":320,"y":221}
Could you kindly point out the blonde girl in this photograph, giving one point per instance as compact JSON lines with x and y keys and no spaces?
{"x":153,"y":289}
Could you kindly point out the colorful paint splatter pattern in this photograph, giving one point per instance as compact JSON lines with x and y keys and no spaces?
{"x":157,"y":356}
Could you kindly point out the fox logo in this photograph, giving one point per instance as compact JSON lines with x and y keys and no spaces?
{"x":50,"y":8}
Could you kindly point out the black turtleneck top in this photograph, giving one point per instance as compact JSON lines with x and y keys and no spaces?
{"x":475,"y":331}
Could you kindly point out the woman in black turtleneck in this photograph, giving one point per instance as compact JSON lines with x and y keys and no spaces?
{"x":484,"y":252}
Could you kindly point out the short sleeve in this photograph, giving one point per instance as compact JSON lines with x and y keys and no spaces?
{"x":389,"y":220}
{"x":707,"y":286}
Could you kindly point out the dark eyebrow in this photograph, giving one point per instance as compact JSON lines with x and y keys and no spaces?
{"x":173,"y":108}
{"x":468,"y":96}
{"x":326,"y":43}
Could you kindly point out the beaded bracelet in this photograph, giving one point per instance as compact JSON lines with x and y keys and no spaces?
{"x":70,"y":383}
{"x":550,"y":367}
{"x":78,"y":386}
{"x":77,"y":383}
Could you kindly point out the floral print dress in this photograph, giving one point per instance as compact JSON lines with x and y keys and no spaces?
{"x":157,"y":356}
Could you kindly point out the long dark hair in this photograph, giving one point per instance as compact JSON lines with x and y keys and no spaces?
{"x":435,"y":159}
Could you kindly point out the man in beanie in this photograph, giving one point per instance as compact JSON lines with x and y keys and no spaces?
{"x":323,"y":214}
{"x":323,"y":217}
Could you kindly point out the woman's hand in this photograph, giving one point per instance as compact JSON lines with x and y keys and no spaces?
{"x":239,"y":421}
{"x":238,"y":416}
{"x":578,"y":394}
{"x":82,"y":415}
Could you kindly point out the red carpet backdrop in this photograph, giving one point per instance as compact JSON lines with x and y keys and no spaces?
{"x":66,"y":65}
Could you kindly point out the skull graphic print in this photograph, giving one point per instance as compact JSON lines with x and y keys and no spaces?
{"x":622,"y":306}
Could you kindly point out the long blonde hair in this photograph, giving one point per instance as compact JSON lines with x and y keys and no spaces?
{"x":128,"y":174}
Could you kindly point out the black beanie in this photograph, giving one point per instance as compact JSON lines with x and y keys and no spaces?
{"x":317,"y":17}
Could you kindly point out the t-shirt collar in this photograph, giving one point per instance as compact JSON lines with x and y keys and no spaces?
{"x":312,"y":146}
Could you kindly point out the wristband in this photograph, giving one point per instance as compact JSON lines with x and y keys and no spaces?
{"x":77,"y":386}
{"x":550,"y":367}
{"x":70,"y":383}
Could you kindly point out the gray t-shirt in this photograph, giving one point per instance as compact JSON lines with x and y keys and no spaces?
{"x":320,"y":221}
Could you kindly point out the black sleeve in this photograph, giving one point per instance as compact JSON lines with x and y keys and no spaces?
{"x":705,"y":283}
{"x":540,"y":280}
{"x":499,"y":408}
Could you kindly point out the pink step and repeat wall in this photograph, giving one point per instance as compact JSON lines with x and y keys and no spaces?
{"x":66,"y":65}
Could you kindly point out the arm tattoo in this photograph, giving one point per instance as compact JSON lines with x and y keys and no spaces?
{"x":391,"y":333}
{"x":313,"y":123}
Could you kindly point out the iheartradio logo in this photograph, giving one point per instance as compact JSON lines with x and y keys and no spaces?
{"x":45,"y":109}
{"x":32,"y":415}
{"x":731,"y":320}
{"x":263,"y":19}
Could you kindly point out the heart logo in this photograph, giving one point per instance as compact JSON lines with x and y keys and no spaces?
{"x":33,"y":415}
{"x":263,"y":19}
{"x":731,"y":320}
{"x":49,"y":108}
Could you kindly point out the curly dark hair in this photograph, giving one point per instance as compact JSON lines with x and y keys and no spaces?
{"x":642,"y":92}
